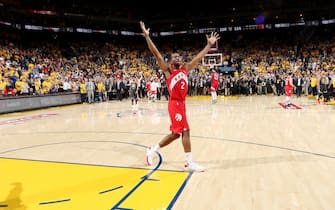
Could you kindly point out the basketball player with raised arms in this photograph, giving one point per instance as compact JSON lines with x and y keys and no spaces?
{"x":176,"y":74}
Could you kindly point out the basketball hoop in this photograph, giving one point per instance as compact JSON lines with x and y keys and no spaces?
{"x":212,"y":59}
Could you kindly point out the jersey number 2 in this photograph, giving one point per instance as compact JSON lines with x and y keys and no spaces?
{"x":182,"y":85}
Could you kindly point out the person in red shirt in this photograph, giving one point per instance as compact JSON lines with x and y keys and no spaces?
{"x":147,"y":88}
{"x":176,"y":76}
{"x":214,"y":85}
{"x":288,"y":89}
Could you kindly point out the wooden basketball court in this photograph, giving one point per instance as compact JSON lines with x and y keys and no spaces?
{"x":258,"y":155}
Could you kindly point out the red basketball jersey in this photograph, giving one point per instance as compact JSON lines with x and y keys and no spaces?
{"x":288,"y":82}
{"x":288,"y":86}
{"x":215,"y":80}
{"x":177,"y":84}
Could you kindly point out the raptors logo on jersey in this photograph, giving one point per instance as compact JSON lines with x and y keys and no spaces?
{"x":178,"y":117}
{"x":178,"y":84}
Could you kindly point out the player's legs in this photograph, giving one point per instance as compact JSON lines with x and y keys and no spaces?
{"x":287,"y":100}
{"x":177,"y":117}
{"x":168,"y":139}
{"x":288,"y":93}
{"x":190,"y":165}
{"x":214,"y":94}
{"x":133,"y":96}
{"x":164,"y":142}
{"x":186,"y":141}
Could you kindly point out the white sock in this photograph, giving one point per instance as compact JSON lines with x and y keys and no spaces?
{"x":214,"y":97}
{"x":188,"y":156}
{"x":156,"y":147}
{"x":287,"y":100}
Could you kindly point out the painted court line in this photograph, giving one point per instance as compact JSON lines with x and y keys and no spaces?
{"x":115,"y":188}
{"x":58,"y":201}
{"x":24,"y":119}
{"x":292,"y":106}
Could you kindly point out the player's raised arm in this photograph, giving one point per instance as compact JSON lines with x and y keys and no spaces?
{"x":211,"y":39}
{"x":159,"y":58}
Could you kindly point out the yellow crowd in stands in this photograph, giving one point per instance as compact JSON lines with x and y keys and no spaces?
{"x":43,"y":70}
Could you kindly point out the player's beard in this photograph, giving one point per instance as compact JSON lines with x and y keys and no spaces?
{"x":176,"y":65}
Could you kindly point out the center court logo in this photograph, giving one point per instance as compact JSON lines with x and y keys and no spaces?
{"x":178,"y":117}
